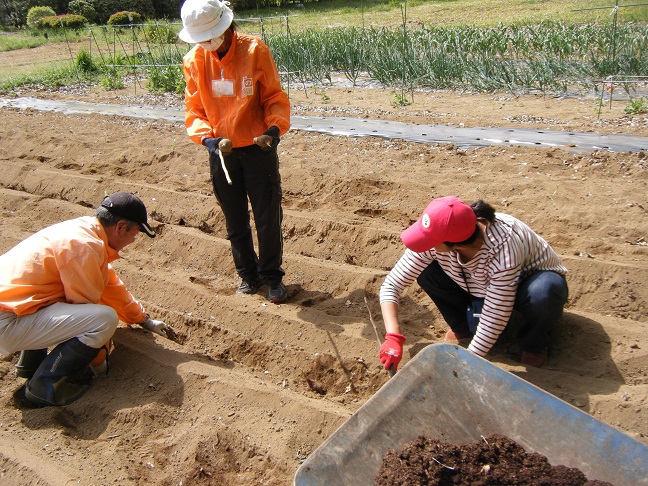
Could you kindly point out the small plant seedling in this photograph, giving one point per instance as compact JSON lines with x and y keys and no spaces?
{"x":112,"y":82}
{"x":399,"y":99}
{"x":637,"y":106}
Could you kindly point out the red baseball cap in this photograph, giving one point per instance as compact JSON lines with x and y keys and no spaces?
{"x":444,"y":219}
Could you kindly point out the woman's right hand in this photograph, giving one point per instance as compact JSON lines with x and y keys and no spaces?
{"x":391,"y":352}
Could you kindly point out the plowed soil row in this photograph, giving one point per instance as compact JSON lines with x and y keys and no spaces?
{"x":252,"y":388}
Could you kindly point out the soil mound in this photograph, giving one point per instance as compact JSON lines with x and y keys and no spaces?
{"x":250,"y":389}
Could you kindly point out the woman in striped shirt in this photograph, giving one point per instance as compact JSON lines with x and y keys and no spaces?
{"x":470,"y":257}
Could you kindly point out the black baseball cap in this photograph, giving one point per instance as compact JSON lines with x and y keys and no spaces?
{"x":128,"y":206}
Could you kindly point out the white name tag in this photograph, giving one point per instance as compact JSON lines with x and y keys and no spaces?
{"x":222,"y":87}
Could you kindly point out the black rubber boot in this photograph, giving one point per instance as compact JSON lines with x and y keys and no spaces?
{"x":29,"y":361}
{"x":49,"y":385}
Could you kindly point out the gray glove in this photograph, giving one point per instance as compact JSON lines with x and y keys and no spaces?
{"x":225,"y":146}
{"x":264,"y":141}
{"x":158,"y":327}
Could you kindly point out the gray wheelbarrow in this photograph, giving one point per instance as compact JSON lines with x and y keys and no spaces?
{"x":449,"y":394}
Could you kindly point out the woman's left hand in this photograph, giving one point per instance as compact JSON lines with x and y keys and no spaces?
{"x":264,"y":141}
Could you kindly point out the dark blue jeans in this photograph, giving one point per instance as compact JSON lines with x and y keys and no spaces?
{"x":540,"y":300}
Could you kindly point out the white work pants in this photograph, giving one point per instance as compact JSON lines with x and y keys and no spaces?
{"x":92,"y":324}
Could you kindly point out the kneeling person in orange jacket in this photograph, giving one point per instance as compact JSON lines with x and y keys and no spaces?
{"x":58,"y":288}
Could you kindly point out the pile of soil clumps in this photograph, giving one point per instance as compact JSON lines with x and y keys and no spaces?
{"x":492,"y":460}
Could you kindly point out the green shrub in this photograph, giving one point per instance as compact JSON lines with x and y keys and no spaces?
{"x":112,"y":81}
{"x":67,"y":21}
{"x":85,"y":63}
{"x":124,"y":18}
{"x":166,"y":79}
{"x":105,"y":8}
{"x":637,"y":106}
{"x":84,"y":8}
{"x":72,"y":21}
{"x":160,"y":33}
{"x":49,"y":22}
{"x":35,"y":15}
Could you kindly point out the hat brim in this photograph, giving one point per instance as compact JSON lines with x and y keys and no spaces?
{"x":416,"y":240}
{"x":204,"y":36}
{"x":146,"y":229}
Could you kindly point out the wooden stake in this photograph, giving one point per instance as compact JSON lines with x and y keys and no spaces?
{"x":372,"y":322}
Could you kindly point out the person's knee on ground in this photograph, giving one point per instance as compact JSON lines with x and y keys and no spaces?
{"x":540,"y":301}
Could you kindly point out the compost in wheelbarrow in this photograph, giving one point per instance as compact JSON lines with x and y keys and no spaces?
{"x":448,"y":393}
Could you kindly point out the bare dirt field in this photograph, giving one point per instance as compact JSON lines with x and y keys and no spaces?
{"x":253,"y":388}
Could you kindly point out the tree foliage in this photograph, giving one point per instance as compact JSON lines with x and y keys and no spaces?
{"x":36,"y":14}
{"x":167,"y":9}
{"x":13,"y":13}
{"x":106,"y":8}
{"x":84,"y":8}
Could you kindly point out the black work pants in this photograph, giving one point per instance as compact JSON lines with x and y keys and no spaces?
{"x":255,"y":176}
{"x":540,"y":299}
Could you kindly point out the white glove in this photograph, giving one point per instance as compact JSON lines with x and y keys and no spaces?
{"x":100,"y":369}
{"x":158,"y":327}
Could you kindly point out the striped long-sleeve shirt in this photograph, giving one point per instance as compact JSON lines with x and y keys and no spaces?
{"x":511,"y":251}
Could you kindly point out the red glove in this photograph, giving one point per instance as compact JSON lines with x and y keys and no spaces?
{"x":391,"y":351}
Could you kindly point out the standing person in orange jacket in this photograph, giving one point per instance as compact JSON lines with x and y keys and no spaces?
{"x":58,"y":288}
{"x":236,"y":108}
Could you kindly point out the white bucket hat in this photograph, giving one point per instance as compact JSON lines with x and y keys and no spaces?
{"x":203,"y":20}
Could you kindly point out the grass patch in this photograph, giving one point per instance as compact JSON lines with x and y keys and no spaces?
{"x":28,"y":39}
{"x":544,"y":45}
{"x":50,"y":78}
{"x":447,"y":13}
{"x":14,"y":41}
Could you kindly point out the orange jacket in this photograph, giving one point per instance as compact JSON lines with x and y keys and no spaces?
{"x":67,"y":262}
{"x":258,"y":101}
